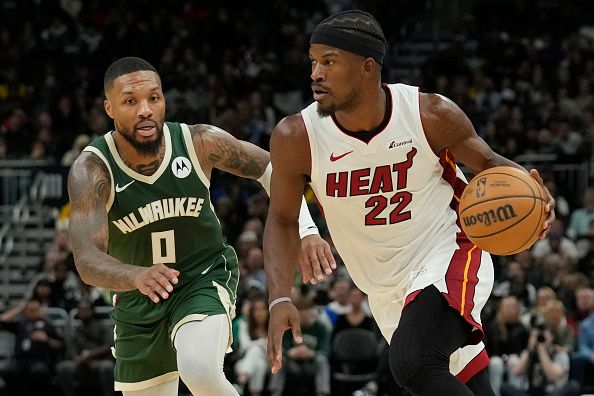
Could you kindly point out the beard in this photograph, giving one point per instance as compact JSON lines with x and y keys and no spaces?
{"x":351,"y":101}
{"x":146,"y":148}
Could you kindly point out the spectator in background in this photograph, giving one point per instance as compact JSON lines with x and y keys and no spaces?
{"x":356,"y":317}
{"x":528,"y":265}
{"x":584,"y":302}
{"x":556,"y":243}
{"x":252,"y":367}
{"x":91,"y":363}
{"x":80,"y":142}
{"x":580,"y":219}
{"x":339,"y":296}
{"x":254,"y":265}
{"x":536,"y":312}
{"x":541,"y":369}
{"x":37,"y":348}
{"x":65,"y":287}
{"x":586,"y":263}
{"x":556,"y":322}
{"x":310,"y":358}
{"x":506,"y":336}
{"x":247,"y":241}
{"x":515,"y":284}
{"x":582,"y":360}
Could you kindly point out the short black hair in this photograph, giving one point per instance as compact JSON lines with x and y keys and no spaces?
{"x":127,"y":65}
{"x":358,"y":22}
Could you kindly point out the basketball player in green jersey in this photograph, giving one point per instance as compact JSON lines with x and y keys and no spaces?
{"x":142,"y":225}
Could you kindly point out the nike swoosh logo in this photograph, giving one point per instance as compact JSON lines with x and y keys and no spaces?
{"x":206,"y":270}
{"x":120,"y":189}
{"x":333,"y":158}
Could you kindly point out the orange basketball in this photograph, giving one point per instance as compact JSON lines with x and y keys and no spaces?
{"x":502,"y":210}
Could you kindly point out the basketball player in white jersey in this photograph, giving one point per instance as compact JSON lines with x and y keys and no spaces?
{"x":381,"y":160}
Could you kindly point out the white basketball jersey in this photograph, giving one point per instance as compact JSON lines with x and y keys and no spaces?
{"x":390,"y":203}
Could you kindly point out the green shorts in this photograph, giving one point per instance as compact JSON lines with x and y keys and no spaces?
{"x":144,"y":331}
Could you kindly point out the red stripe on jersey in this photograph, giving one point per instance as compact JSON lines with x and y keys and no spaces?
{"x":478,"y":363}
{"x":448,"y":162}
{"x":461,"y":280}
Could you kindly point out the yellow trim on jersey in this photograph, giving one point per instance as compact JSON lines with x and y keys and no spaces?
{"x":136,"y":386}
{"x":468,"y":260}
{"x":135,"y":175}
{"x":98,"y":153}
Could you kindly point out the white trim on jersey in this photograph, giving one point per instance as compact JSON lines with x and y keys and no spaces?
{"x":133,"y":174}
{"x":193,"y":157}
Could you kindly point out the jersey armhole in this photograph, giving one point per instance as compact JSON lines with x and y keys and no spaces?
{"x":416,"y":98}
{"x":192,"y":154}
{"x":313,"y":153}
{"x":99,"y":154}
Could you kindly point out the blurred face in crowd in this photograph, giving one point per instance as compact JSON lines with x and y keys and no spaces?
{"x":515,"y":272}
{"x":356,"y":297}
{"x":337,"y":78}
{"x":33,"y":311}
{"x":553,"y":314}
{"x":584,"y":299}
{"x":85,"y":311}
{"x":544,"y":295}
{"x":42,"y":291}
{"x":308,"y":316}
{"x":259,"y":311}
{"x":509,"y":310}
{"x":136,"y":103}
{"x":589,"y":198}
{"x":341,"y":292}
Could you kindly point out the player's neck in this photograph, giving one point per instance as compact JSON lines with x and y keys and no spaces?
{"x":135,"y":160}
{"x":367,"y":115}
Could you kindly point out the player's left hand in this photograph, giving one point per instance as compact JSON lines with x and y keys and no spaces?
{"x":315,"y":259}
{"x":549,"y":208}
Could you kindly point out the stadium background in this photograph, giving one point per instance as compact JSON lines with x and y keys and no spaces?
{"x":523,"y":71}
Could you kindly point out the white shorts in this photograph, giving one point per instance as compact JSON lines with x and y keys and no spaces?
{"x":465,"y":279}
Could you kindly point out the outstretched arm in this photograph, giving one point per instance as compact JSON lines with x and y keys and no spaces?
{"x":216,"y":148}
{"x":290,"y":159}
{"x":448,"y":128}
{"x":89,"y":186}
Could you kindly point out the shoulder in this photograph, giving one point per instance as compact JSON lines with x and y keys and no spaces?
{"x":437,"y":108}
{"x":290,"y":131}
{"x":290,"y":126}
{"x":205,"y":131}
{"x":88,"y":163}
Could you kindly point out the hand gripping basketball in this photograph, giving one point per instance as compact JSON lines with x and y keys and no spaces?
{"x":505,"y":210}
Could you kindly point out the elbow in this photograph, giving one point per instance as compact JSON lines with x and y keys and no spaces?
{"x":82,"y":266}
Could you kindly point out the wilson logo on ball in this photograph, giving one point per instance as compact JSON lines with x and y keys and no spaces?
{"x":502,"y":213}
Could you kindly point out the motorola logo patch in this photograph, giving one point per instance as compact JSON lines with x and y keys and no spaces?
{"x":181,"y":167}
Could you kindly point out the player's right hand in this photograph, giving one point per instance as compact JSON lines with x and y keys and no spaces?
{"x":156,"y":281}
{"x":283,"y":316}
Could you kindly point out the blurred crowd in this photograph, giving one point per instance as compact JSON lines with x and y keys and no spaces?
{"x":528,"y":89}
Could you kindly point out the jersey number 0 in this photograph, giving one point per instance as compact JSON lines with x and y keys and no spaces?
{"x":163,"y":247}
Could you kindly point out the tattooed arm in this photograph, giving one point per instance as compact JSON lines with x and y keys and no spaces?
{"x":216,"y":148}
{"x":89,"y":188}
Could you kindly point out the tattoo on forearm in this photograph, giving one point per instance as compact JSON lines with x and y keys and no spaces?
{"x":229,"y":152}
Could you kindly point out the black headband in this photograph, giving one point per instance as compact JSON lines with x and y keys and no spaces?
{"x":345,"y":40}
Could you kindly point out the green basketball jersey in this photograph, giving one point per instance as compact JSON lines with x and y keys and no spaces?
{"x":166,"y":217}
